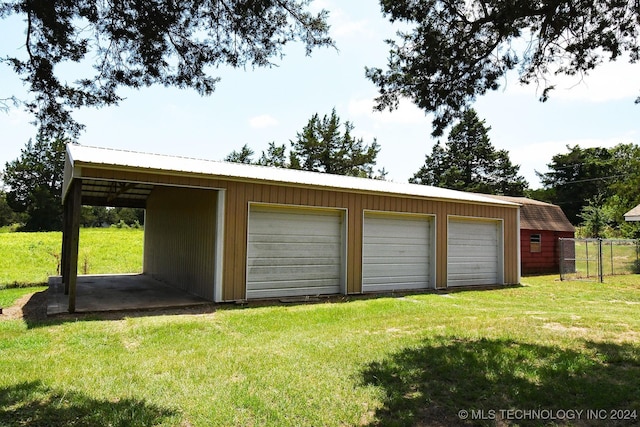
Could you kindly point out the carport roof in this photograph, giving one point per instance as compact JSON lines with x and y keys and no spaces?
{"x":106,"y":158}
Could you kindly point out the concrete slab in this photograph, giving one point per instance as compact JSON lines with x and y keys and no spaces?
{"x":98,"y":293}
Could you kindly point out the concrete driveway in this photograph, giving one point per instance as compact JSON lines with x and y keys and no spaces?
{"x":99,"y":293}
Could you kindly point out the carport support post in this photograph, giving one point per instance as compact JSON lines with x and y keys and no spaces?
{"x":70,"y":242}
{"x":64,"y":261}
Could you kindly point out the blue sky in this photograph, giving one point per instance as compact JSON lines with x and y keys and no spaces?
{"x":259,"y":106}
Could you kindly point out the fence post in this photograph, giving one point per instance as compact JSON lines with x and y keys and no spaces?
{"x":600,"y":267}
{"x":586,"y":251}
{"x":611,"y":256}
{"x":561,"y":242}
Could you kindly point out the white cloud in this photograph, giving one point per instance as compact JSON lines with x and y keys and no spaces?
{"x":407,"y":112}
{"x":263,"y":121}
{"x":608,"y":82}
{"x":341,"y":23}
{"x":17,"y":117}
{"x":344,"y":28}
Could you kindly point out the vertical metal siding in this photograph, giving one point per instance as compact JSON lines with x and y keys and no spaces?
{"x":180,"y":235}
{"x":355,"y":204}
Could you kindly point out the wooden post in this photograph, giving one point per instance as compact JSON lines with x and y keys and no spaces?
{"x":66,"y":232}
{"x":75,"y":204}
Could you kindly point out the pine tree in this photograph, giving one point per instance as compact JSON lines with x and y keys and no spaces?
{"x":470,"y":162}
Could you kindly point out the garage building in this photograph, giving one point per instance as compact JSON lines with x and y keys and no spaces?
{"x":232,"y":232}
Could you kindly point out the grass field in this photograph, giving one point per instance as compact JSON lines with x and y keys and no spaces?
{"x":30,"y":258}
{"x":413,"y":360}
{"x":560,"y":347}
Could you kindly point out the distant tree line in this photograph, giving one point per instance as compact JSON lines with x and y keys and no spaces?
{"x":593,"y":186}
{"x":31,"y":192}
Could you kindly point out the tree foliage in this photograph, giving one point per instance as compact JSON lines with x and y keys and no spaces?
{"x":595,"y":218}
{"x":140,"y":43}
{"x":323,"y":145}
{"x":275,"y":156}
{"x":458,"y":50}
{"x":34,"y":182}
{"x":469,"y":162}
{"x":242,"y":156}
{"x":582,"y":174}
{"x":101,"y":216}
{"x":578,"y":176}
{"x":7,"y":215}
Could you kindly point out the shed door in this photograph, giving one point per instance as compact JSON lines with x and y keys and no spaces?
{"x":473,"y":253}
{"x":293,"y":252}
{"x":396,"y":252}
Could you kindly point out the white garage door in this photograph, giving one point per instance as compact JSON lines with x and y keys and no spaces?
{"x":396,"y":252}
{"x":473,"y":256}
{"x":293,"y":252}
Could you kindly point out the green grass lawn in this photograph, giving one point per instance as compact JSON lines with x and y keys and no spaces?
{"x":412,"y":360}
{"x":30,"y":258}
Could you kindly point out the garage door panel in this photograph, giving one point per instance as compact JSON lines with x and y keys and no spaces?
{"x":293,"y":272}
{"x":284,"y":262}
{"x":417,"y":280}
{"x":392,"y":245}
{"x":471,"y":268}
{"x":295,"y":223}
{"x":400,"y":227}
{"x":386,"y":262}
{"x":295,"y":289}
{"x":396,"y":252}
{"x":473,"y":251}
{"x":293,"y":252}
{"x":308,"y":250}
{"x":395,"y":283}
{"x":297,"y":239}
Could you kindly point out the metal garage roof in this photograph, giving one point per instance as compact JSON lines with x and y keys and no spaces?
{"x":82,"y":155}
{"x":633,"y":214}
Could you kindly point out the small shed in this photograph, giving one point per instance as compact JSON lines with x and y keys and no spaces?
{"x":541,"y":225}
{"x":230,"y":232}
{"x":633,"y":214}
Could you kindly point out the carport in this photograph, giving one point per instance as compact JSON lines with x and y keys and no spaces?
{"x":172,"y":276}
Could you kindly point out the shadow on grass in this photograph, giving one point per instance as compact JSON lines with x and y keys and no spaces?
{"x":33,"y":404}
{"x":430,"y":384}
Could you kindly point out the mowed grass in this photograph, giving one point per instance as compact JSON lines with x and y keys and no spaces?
{"x":413,"y":360}
{"x":28,"y":259}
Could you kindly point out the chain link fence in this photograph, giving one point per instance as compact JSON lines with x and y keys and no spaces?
{"x":593,"y":259}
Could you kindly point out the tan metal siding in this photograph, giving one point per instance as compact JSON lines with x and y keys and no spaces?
{"x":355,"y":203}
{"x":180,"y":232}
